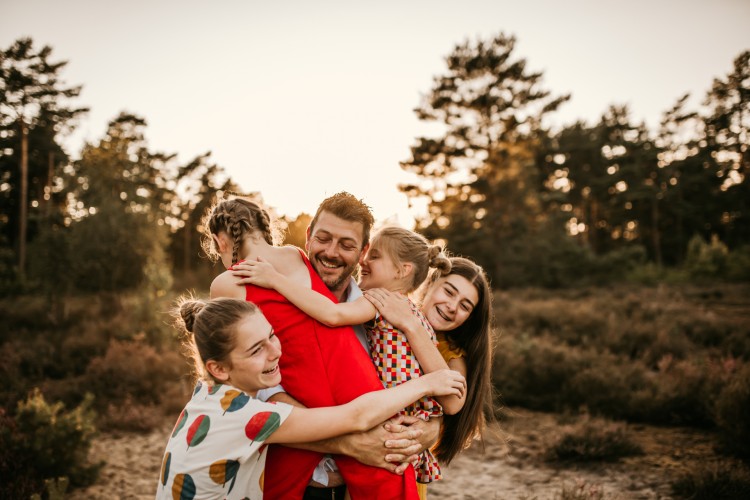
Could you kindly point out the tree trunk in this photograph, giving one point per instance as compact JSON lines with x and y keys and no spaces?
{"x":23,"y":204}
{"x":48,"y":187}
{"x":186,"y":264}
{"x":655,"y":234}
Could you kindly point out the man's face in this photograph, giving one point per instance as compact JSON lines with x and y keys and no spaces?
{"x":334,"y":247}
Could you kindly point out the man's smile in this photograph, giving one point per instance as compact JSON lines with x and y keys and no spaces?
{"x":330,"y":264}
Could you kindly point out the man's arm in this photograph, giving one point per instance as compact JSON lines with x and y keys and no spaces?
{"x":392,"y":445}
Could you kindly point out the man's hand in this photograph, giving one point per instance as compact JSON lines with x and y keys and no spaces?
{"x":402,"y":450}
{"x":393,"y":445}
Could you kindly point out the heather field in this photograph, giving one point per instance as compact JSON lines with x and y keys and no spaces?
{"x":620,"y":392}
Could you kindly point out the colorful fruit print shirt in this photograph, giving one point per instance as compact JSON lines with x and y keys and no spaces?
{"x":217,"y":449}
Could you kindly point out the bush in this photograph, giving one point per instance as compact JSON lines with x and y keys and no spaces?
{"x":592,"y":440}
{"x":44,"y":441}
{"x":738,"y":264}
{"x":732,"y":410}
{"x":133,"y":369}
{"x":719,"y":480}
{"x":606,"y":387}
{"x":581,"y":491}
{"x":531,"y":372}
{"x":705,"y":261}
{"x":131,"y":416}
{"x":679,"y":393}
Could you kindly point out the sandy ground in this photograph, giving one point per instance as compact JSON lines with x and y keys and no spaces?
{"x":511,"y":466}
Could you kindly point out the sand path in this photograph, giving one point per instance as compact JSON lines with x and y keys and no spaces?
{"x":511,"y":467}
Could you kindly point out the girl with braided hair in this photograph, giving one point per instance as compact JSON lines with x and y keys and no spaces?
{"x":398,"y":261}
{"x":321,"y":366}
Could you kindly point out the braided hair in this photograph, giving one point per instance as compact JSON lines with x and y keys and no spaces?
{"x":239,"y":218}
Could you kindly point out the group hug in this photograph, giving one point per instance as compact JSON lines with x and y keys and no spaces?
{"x":353,"y":368}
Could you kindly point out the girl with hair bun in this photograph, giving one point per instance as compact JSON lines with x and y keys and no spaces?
{"x":398,"y":260}
{"x":217,"y":449}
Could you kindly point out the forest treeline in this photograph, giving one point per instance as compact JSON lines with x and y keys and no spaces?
{"x":588,"y":203}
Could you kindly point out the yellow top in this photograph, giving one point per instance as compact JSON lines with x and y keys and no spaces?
{"x":445,"y":349}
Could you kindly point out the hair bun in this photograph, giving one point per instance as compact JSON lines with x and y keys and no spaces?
{"x":438,"y":259}
{"x":188,"y":312}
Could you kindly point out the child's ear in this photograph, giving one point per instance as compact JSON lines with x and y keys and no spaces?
{"x":405,"y":269}
{"x":219,"y":242}
{"x":217,"y":370}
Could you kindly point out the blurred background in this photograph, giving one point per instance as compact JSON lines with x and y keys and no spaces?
{"x":591,"y":156}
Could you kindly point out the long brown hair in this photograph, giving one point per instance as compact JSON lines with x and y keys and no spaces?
{"x":475,"y":338}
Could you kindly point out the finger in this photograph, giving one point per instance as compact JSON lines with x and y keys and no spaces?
{"x":242,"y":274}
{"x":410,"y":419}
{"x":405,"y":465}
{"x":399,"y":418}
{"x":400,"y":444}
{"x":396,"y":458}
{"x":395,"y":428}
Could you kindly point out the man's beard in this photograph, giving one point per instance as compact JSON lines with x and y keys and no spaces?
{"x":338,"y":281}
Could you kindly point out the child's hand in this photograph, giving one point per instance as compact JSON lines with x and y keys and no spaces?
{"x":392,"y":306}
{"x":255,"y":272}
{"x":445,"y":383}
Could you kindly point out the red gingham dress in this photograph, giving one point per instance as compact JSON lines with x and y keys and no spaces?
{"x":396,"y":364}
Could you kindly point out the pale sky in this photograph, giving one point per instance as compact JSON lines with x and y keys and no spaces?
{"x":302,"y":99}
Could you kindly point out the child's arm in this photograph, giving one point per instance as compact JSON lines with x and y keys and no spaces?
{"x":304,"y":425}
{"x":262,"y":273}
{"x":396,"y":310}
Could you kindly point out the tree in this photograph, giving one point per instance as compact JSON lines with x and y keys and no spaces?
{"x":481,"y":178}
{"x":689,"y":179}
{"x":200,"y":182}
{"x":32,"y":97}
{"x":296,"y":231}
{"x":122,"y":205}
{"x":728,"y":144}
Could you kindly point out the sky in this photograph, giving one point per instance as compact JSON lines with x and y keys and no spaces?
{"x":301,"y":99}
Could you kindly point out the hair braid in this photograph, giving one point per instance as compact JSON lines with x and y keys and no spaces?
{"x":239,"y":218}
{"x":264,"y":225}
{"x":235,"y":230}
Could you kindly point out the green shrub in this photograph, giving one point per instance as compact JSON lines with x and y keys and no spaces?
{"x":591,"y":440}
{"x":738,"y":264}
{"x":706,"y":261}
{"x":44,"y":441}
{"x":717,"y":480}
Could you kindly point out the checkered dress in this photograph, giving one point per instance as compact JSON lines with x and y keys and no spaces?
{"x":396,"y":364}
